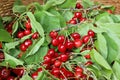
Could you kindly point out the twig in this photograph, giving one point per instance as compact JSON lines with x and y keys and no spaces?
{"x":73,"y":9}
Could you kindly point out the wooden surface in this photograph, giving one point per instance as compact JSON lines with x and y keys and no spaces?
{"x":6,"y":5}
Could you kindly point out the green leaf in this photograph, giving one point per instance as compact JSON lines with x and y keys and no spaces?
{"x":37,"y":57}
{"x":47,"y":21}
{"x":12,"y":61}
{"x":15,"y":27}
{"x":87,"y":3}
{"x":107,"y":71}
{"x":108,"y":7}
{"x":101,"y":45}
{"x":1,"y":23}
{"x":5,"y":36}
{"x":51,"y":3}
{"x":19,"y":9}
{"x":101,"y":15}
{"x":36,"y":26}
{"x":99,"y":59}
{"x":35,"y":47}
{"x":41,"y":76}
{"x":67,"y":15}
{"x":26,"y":77}
{"x":68,"y":4}
{"x":17,"y":2}
{"x":116,"y":69}
{"x":113,"y":46}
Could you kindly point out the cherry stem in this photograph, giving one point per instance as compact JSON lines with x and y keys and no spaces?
{"x":88,"y":9}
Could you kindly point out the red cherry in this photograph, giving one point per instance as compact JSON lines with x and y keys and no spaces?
{"x":91,"y":33}
{"x":61,"y":39}
{"x":78,"y":14}
{"x":75,"y":35}
{"x":82,"y":19}
{"x":55,"y":42}
{"x":110,"y":11}
{"x":11,"y":78}
{"x":69,"y":45}
{"x":88,"y":63}
{"x":27,"y":42}
{"x":73,"y":21}
{"x":53,"y":34}
{"x":84,"y":77}
{"x":18,"y":71}
{"x":27,"y":32}
{"x":57,"y":63}
{"x":79,"y":69}
{"x":78,"y":43}
{"x":51,"y":53}
{"x":0,"y":45}
{"x":61,"y":48}
{"x":23,"y":47}
{"x":63,"y":57}
{"x":56,"y":72}
{"x":78,"y":6}
{"x":35,"y":35}
{"x":87,"y":56}
{"x":47,"y":59}
{"x":4,"y":73}
{"x":39,"y":70}
{"x":20,"y":34}
{"x":78,"y":74}
{"x":56,"y":55}
{"x":2,"y":56}
{"x":86,"y":38}
{"x":28,"y":25}
{"x":34,"y":75}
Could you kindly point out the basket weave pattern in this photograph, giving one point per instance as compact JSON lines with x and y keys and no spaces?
{"x":6,"y":5}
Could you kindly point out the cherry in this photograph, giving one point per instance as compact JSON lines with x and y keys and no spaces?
{"x":0,"y":45}
{"x":57,"y":63}
{"x":86,"y":38}
{"x":73,"y":21}
{"x":2,"y":56}
{"x":53,"y":34}
{"x":11,"y":78}
{"x":91,"y":33}
{"x":4,"y":73}
{"x":61,"y":48}
{"x":84,"y":77}
{"x":82,"y":19}
{"x":51,"y":52}
{"x":63,"y":57}
{"x":35,"y":35}
{"x":78,"y":43}
{"x":78,"y":15}
{"x":56,"y":72}
{"x":27,"y":42}
{"x":88,"y":63}
{"x":27,"y":32}
{"x":34,"y":75}
{"x":28,"y":25}
{"x":87,"y":56}
{"x":20,"y":34}
{"x":78,"y":74}
{"x":61,"y":39}
{"x":110,"y":11}
{"x":47,"y":59}
{"x":78,"y":6}
{"x":23,"y":47}
{"x":18,"y":71}
{"x":39,"y":70}
{"x":69,"y":45}
{"x":79,"y":69}
{"x":55,"y":42}
{"x":75,"y":35}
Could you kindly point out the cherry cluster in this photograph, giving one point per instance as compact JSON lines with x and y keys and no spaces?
{"x":60,"y":53}
{"x":78,"y":17}
{"x":27,"y":31}
{"x":11,"y":73}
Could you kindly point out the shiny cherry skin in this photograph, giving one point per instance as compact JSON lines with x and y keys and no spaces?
{"x":35,"y":35}
{"x":53,"y":34}
{"x":61,"y":48}
{"x":91,"y":33}
{"x":23,"y":47}
{"x":20,"y":34}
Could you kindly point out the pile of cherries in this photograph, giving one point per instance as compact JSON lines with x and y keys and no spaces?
{"x":27,"y":31}
{"x":11,"y":73}
{"x":78,"y":17}
{"x":60,"y":53}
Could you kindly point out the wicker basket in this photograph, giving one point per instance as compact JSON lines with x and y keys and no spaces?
{"x":6,"y":5}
